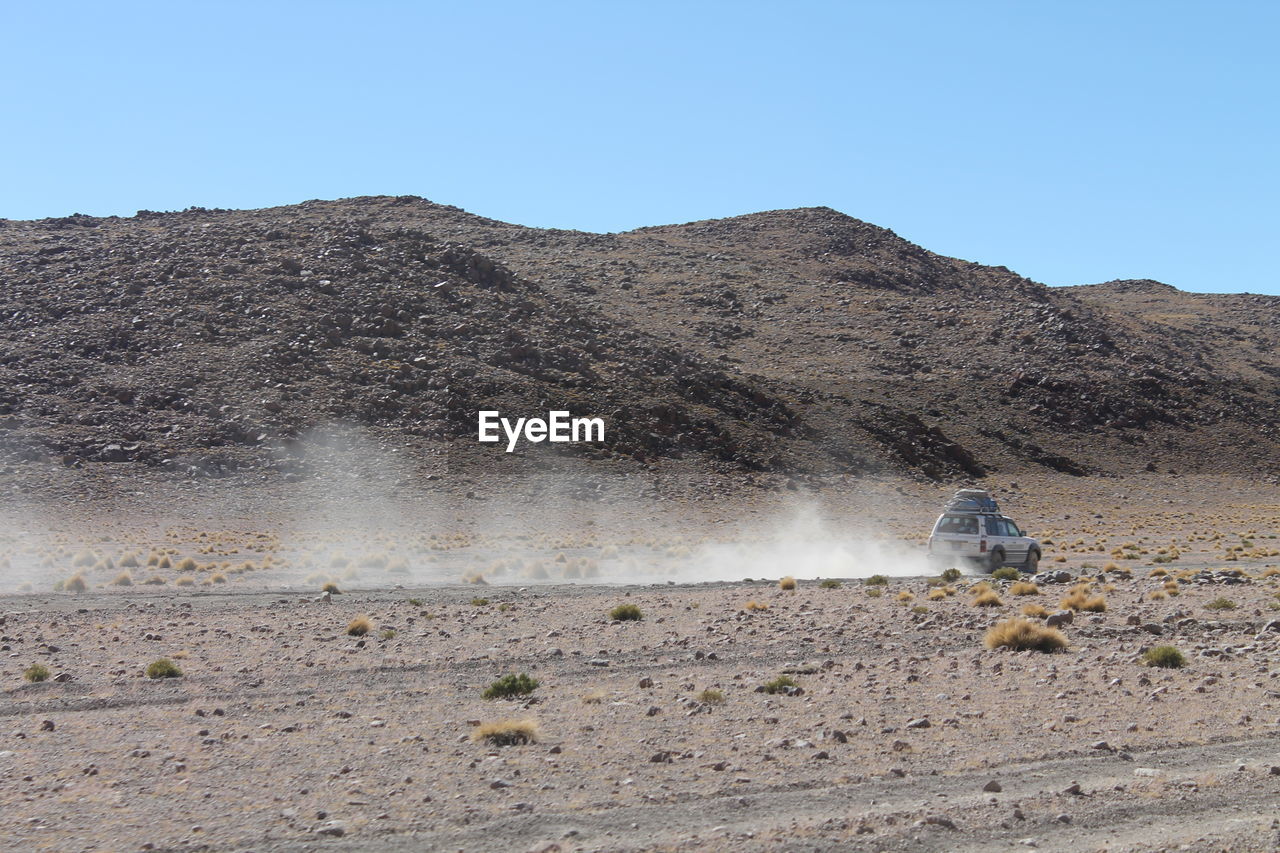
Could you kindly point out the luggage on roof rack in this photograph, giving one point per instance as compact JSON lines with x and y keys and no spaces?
{"x":972,"y":500}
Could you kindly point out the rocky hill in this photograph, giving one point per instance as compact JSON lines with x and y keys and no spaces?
{"x":778,"y":347}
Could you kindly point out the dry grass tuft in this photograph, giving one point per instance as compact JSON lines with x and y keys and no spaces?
{"x":936,"y":594}
{"x":1021,"y":635}
{"x":906,"y":595}
{"x":359,"y":626}
{"x":626,"y":613}
{"x":787,"y":583}
{"x":163,"y":668}
{"x":754,"y":606}
{"x":1079,"y":599}
{"x":1035,"y":611}
{"x":506,"y":732}
{"x":123,"y":579}
{"x":987,"y":598}
{"x":36,"y":672}
{"x":331,"y":588}
{"x":75,"y":583}
{"x":1165,"y":657}
{"x":1024,"y":588}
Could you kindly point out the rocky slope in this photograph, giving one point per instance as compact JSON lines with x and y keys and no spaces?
{"x":788,"y":345}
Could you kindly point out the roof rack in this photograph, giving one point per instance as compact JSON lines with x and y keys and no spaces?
{"x":976,"y":501}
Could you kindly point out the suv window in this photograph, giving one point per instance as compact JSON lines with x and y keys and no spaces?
{"x":998,"y":527}
{"x":962,"y":524}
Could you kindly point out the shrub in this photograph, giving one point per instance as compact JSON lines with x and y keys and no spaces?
{"x":506,"y":732}
{"x":1021,"y":634}
{"x":905,"y":596}
{"x":1221,"y":603}
{"x":510,"y":685}
{"x":416,"y":602}
{"x":875,"y":591}
{"x":331,"y":588}
{"x":75,"y":583}
{"x":1165,"y":657}
{"x":787,"y":583}
{"x":626,"y":613}
{"x":1007,"y":573}
{"x":951,"y":575}
{"x":359,"y":626}
{"x":479,"y":602}
{"x":829,"y":583}
{"x":123,"y":579}
{"x":163,"y":668}
{"x":389,"y":634}
{"x":1024,"y":588}
{"x":876,"y":580}
{"x":711,"y":696}
{"x":1035,"y":610}
{"x":187,"y":564}
{"x":779,"y":684}
{"x":36,"y":672}
{"x":987,"y":598}
{"x":1079,"y":599}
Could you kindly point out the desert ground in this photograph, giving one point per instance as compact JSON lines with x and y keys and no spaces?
{"x":895,"y":727}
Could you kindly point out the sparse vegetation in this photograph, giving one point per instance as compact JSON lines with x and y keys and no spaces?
{"x":1021,"y":635}
{"x":754,"y":606}
{"x":1221,"y":603}
{"x":1035,"y":611}
{"x":711,"y":696}
{"x":830,"y":583}
{"x":163,"y":668}
{"x":1024,"y":588}
{"x":123,"y":579}
{"x":331,"y":588}
{"x":1165,"y":657}
{"x":1006,"y":573}
{"x":506,"y":732}
{"x":36,"y":672}
{"x":779,"y":685}
{"x":510,"y":685}
{"x":787,"y":583}
{"x":626,"y":613}
{"x":359,"y":626}
{"x":875,"y":591}
{"x":1079,"y":599}
{"x":985,"y":596}
{"x":906,"y":595}
{"x":75,"y":583}
{"x":416,"y":602}
{"x":388,"y":634}
{"x":876,"y":580}
{"x":479,"y":602}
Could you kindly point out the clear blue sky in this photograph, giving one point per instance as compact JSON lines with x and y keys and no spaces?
{"x":1071,"y":141}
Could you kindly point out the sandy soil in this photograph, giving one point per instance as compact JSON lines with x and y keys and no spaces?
{"x":284,"y":732}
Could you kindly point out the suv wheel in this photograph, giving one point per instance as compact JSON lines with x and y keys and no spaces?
{"x":995,"y":561}
{"x":1032,"y":564}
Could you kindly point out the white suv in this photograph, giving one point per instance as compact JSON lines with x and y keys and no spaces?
{"x":985,"y":540}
